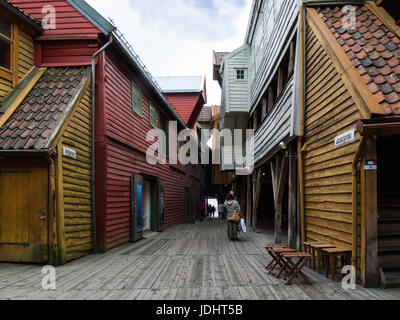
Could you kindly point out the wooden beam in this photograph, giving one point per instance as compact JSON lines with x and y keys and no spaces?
{"x":291,"y":57}
{"x":257,"y":189}
{"x":280,"y":81}
{"x":270,"y":99}
{"x":369,"y":219}
{"x":279,"y":171}
{"x":249,"y":201}
{"x":15,"y":55}
{"x":60,"y":216}
{"x":292,"y":232}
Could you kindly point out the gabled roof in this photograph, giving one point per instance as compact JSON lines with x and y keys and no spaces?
{"x":40,"y":116}
{"x":374,"y":51}
{"x":181,"y":84}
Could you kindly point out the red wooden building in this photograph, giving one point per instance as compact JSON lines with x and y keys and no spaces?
{"x":131,"y":196}
{"x":187,"y":95}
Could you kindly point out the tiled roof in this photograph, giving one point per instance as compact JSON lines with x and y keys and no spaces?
{"x":41,"y":114}
{"x":218,"y":56}
{"x":374,"y":50}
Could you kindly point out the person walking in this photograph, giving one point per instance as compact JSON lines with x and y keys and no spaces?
{"x":231,"y":205}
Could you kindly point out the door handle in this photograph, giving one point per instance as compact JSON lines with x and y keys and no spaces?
{"x":43,"y":217}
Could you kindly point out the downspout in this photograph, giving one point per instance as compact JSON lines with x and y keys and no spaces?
{"x":355,"y":203}
{"x":93,"y":156}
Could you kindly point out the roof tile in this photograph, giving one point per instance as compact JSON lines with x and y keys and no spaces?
{"x":34,"y":121}
{"x":374,"y":50}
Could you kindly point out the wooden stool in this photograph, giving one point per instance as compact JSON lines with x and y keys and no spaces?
{"x":317,"y":253}
{"x":269,"y":248}
{"x":296,"y":268}
{"x":330,"y":258}
{"x":277,"y":255}
{"x":307,"y":249}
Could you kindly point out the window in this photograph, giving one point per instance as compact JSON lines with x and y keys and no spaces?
{"x":153,"y":115}
{"x":240,"y":75}
{"x":5,"y":44}
{"x":137,"y":104}
{"x":164,"y":126}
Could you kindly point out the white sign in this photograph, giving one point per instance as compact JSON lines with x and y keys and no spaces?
{"x":371,"y":165}
{"x":69,"y":153}
{"x":345,"y":138}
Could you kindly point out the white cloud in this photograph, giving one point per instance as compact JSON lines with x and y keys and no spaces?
{"x":177,"y":37}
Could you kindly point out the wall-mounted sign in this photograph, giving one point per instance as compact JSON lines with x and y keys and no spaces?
{"x":69,"y":153}
{"x":371,"y":165}
{"x":345,"y":138}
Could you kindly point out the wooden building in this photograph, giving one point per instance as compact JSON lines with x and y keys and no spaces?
{"x":324,"y":101}
{"x":349,"y":178}
{"x":45,"y":158}
{"x":89,"y":210}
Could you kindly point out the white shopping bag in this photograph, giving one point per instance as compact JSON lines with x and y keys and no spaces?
{"x":243,"y":225}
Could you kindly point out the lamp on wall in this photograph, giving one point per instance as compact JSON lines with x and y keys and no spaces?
{"x":283,"y":145}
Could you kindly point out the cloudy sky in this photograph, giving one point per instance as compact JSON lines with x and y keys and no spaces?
{"x":177,"y":37}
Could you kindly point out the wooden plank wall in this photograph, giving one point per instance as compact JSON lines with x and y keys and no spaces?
{"x":126,"y":155}
{"x":69,"y":22}
{"x":26,"y":58}
{"x":77,"y":182}
{"x":330,"y":111}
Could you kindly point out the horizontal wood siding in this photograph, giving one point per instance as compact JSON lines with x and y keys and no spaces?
{"x":5,"y":88}
{"x":276,"y":128}
{"x":77,"y":182}
{"x":184,"y":104}
{"x":275,"y":23}
{"x":238,"y":92}
{"x":126,"y":155}
{"x":71,"y":53}
{"x":330,"y":112}
{"x":69,"y":22}
{"x":26,"y":58}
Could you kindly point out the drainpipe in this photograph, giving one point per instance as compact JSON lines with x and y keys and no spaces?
{"x":355,"y":202}
{"x":93,"y":178}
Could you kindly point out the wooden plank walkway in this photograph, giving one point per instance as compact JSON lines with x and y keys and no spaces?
{"x":195,"y":262}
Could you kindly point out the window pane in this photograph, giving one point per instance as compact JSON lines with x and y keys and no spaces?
{"x":153,"y":115}
{"x":5,"y":54}
{"x":5,"y":28}
{"x":137,"y":100}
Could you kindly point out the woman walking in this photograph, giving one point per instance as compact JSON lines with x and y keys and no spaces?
{"x":231,"y":205}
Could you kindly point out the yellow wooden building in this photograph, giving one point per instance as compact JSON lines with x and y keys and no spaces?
{"x":45,"y":151}
{"x":349,"y":180}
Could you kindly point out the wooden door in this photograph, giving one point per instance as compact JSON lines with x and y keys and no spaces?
{"x":161,"y":205}
{"x":137,"y":208}
{"x":23,"y":210}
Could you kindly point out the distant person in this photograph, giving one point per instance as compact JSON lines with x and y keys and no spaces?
{"x":202,"y":208}
{"x":230,"y":206}
{"x":213,"y":210}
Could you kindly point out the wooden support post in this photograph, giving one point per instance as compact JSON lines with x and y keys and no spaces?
{"x":279,"y":171}
{"x":369,"y":218}
{"x":292,"y":198}
{"x":264,"y":108}
{"x":257,"y":192}
{"x":270,"y":99}
{"x":280,"y":81}
{"x":291,"y":58}
{"x":62,"y":256}
{"x":249,"y":201}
